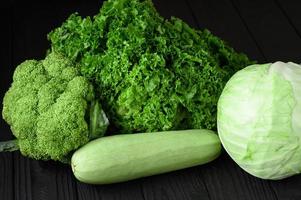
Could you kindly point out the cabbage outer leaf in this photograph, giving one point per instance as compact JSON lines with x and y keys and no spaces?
{"x":259,"y":119}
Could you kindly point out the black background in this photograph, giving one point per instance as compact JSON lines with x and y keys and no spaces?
{"x":266,"y":30}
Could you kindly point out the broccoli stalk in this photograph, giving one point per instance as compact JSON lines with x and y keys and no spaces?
{"x":52,"y":110}
{"x":10,"y":145}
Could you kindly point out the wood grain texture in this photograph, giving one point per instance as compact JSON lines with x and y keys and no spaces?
{"x":6,"y":59}
{"x":127,"y":191}
{"x":287,"y":189}
{"x":226,"y":180}
{"x":271,"y":29}
{"x":291,"y":10}
{"x":179,"y":9}
{"x":33,"y":21}
{"x":22,"y":177}
{"x":182,"y":184}
{"x":6,"y":159}
{"x":6,"y":176}
{"x":52,"y":180}
{"x":221,"y":19}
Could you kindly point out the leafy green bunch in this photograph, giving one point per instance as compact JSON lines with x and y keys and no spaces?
{"x":150,"y":73}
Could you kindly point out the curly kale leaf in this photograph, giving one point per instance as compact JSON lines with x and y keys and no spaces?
{"x":152,"y":74}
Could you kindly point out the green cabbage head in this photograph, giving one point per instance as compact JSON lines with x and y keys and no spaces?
{"x":259,"y":119}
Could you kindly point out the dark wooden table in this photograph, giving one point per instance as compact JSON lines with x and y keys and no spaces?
{"x":266,"y":30}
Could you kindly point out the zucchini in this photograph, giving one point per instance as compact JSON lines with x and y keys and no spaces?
{"x":121,"y":158}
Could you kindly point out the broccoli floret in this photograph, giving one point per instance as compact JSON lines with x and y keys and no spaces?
{"x":50,"y":107}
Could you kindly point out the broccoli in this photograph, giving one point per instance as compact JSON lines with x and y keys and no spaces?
{"x":52,"y":109}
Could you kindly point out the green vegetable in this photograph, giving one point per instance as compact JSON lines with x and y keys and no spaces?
{"x":125,"y":157}
{"x":48,"y":106}
{"x":259,"y":115}
{"x":152,"y":74}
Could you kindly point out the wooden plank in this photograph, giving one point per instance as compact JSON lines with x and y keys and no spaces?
{"x":42,"y":180}
{"x":226,"y":180}
{"x":275,"y":35}
{"x":221,"y":19}
{"x":52,"y":180}
{"x":31,"y":28}
{"x":288,"y":188}
{"x":6,"y":57}
{"x":87,"y":192}
{"x":6,"y":176}
{"x":179,"y":9}
{"x":6,"y":159}
{"x":182,"y":184}
{"x":22,"y":177}
{"x":125,"y":191}
{"x":291,"y":10}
